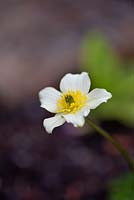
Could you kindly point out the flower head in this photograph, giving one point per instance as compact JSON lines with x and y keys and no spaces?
{"x":73,"y":103}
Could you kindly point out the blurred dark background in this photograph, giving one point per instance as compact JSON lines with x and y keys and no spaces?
{"x":40,"y":41}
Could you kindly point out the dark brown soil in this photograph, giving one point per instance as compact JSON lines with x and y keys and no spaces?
{"x":61,"y":166}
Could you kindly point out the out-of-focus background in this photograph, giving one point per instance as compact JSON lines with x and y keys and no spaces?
{"x":40,"y":41}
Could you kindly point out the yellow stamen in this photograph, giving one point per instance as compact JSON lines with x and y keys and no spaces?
{"x":71,"y":102}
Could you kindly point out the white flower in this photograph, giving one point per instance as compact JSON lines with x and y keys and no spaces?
{"x":74,"y":101}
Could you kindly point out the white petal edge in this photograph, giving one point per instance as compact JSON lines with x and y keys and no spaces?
{"x":98,"y":96}
{"x":48,"y":98}
{"x":85,"y":111}
{"x":75,"y":82}
{"x":76,"y":119}
{"x":53,"y":122}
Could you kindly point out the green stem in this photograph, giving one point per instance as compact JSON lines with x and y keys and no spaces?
{"x":115,"y":142}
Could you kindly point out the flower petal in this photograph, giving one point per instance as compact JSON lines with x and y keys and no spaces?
{"x":48,"y":98}
{"x":76,"y":119}
{"x":53,"y":122}
{"x":75,"y":82}
{"x":85,"y":111}
{"x":98,"y":96}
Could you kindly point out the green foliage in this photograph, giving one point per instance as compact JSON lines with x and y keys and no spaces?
{"x":107,"y":71}
{"x":122,"y":188}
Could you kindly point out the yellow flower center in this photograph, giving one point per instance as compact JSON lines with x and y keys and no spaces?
{"x":71,"y":102}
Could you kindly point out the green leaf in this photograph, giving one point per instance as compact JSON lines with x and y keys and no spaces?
{"x":106,"y":71}
{"x":122,"y":188}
